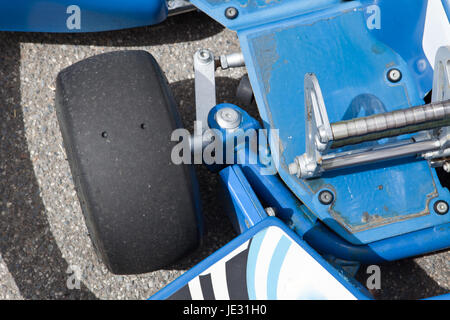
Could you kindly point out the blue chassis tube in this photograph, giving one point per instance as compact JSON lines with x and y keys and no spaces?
{"x":274,"y":193}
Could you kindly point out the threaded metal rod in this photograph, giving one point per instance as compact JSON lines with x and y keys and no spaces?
{"x":391,"y":120}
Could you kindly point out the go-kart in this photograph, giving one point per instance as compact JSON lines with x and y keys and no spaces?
{"x":347,"y":164}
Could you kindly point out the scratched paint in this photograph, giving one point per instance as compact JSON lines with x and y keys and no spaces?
{"x":265,"y":50}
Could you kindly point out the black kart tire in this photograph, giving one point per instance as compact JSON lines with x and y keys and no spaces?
{"x":116,"y":115}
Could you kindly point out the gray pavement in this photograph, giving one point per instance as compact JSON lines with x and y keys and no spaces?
{"x":43,"y":238}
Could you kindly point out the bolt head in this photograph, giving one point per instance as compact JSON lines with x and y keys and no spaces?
{"x":326,"y":197}
{"x":231,"y":13}
{"x":322,"y":134}
{"x":270,"y":212}
{"x":293,"y":168}
{"x":228,"y":118}
{"x":441,"y":207}
{"x":446,"y":167}
{"x":394,"y":75}
{"x":205,"y":56}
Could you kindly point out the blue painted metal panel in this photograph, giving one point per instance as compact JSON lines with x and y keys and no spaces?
{"x":335,"y":44}
{"x":99,"y":15}
{"x":407,"y":38}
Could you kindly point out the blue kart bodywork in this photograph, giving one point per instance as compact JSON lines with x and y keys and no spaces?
{"x":99,"y":15}
{"x":382,"y":211}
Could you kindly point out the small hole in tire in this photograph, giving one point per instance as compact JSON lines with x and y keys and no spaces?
{"x":143,"y":126}
{"x":104,"y":134}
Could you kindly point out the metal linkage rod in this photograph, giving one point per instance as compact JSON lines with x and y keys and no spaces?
{"x":345,"y":161}
{"x":434,"y":112}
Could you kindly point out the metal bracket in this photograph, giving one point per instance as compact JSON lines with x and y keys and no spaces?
{"x":205,"y":86}
{"x":319,"y":135}
{"x":441,"y":92}
{"x":205,"y":98}
{"x":205,"y":81}
{"x":322,"y":136}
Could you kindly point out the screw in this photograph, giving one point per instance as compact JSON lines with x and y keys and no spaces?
{"x":231,"y":13}
{"x":394,"y":75}
{"x":326,"y":197}
{"x":446,"y":167}
{"x":204,"y":56}
{"x":323,"y":137}
{"x":270,"y":211}
{"x":294,"y":168}
{"x":441,"y":207}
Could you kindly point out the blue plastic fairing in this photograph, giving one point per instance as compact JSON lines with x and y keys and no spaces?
{"x":79,"y":15}
{"x":268,"y":261}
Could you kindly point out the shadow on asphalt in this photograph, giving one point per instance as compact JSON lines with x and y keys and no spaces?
{"x":186,"y":27}
{"x":27,"y":245}
{"x":403,"y":279}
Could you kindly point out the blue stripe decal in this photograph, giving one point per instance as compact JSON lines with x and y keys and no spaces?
{"x":446,"y":4}
{"x":253,"y":251}
{"x":275,"y":266}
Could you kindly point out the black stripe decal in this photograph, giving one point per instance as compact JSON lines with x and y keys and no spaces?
{"x":181,"y":294}
{"x":207,"y":288}
{"x":236,"y":269}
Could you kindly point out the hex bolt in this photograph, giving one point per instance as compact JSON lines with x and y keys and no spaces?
{"x":231,"y":13}
{"x":394,"y":75}
{"x":326,"y":197}
{"x":322,"y":134}
{"x":228,"y":118}
{"x":441,"y":207}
